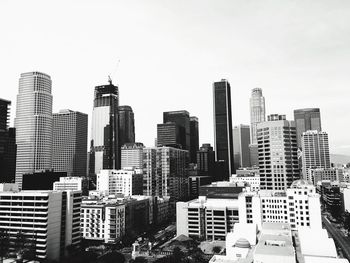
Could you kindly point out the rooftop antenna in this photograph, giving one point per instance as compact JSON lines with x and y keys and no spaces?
{"x":113,"y":73}
{"x":109,"y":80}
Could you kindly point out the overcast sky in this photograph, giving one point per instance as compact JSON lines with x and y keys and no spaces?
{"x":171,"y":52}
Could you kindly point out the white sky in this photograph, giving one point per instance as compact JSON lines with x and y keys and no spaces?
{"x":170,"y":53}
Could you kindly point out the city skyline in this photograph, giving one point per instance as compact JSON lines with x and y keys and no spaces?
{"x":303,"y":67}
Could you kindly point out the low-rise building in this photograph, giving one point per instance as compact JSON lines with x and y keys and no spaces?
{"x":68,"y":183}
{"x":319,"y":174}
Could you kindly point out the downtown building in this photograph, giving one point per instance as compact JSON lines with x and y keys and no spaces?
{"x":241,"y":142}
{"x":132,"y":155}
{"x":7,"y":145}
{"x":126,"y":125}
{"x":223,"y":142}
{"x":315,"y":151}
{"x":33,"y":123}
{"x":278,"y":159}
{"x":257,"y":115}
{"x":124,"y":182}
{"x":165,"y":172}
{"x":213,"y":215}
{"x":104,"y":146}
{"x":70,"y":143}
{"x":206,"y":160}
{"x":49,"y":221}
{"x":68,"y":183}
{"x":308,"y":119}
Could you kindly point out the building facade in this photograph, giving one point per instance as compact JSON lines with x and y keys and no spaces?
{"x":315,"y":150}
{"x":104,"y":146}
{"x":69,"y":154}
{"x":33,"y":124}
{"x":48,"y":220}
{"x":278,"y":158}
{"x":305,"y":120}
{"x":194,"y":139}
{"x":241,"y":141}
{"x":223,"y":143}
{"x":125,"y":182}
{"x":132,"y":155}
{"x":126,"y":125}
{"x":206,"y":160}
{"x":7,"y":145}
{"x":68,"y":183}
{"x":257,"y":113}
{"x":182,"y":120}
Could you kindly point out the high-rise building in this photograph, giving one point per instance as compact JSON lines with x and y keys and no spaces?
{"x":241,"y":141}
{"x":206,"y":160}
{"x":194,"y":139}
{"x":168,"y":134}
{"x":70,"y":130}
{"x":7,"y":145}
{"x":132,"y":155}
{"x":165,"y":172}
{"x":48,"y":221}
{"x":305,"y":120}
{"x":126,"y":125}
{"x":257,"y":113}
{"x":33,"y":124}
{"x":223,"y":128}
{"x":182,"y":120}
{"x":278,"y":157}
{"x":104,"y":147}
{"x":315,"y":150}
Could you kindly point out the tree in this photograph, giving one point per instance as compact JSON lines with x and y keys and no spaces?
{"x":4,"y":243}
{"x":112,"y":258}
{"x":216,"y":249}
{"x":140,"y":260}
{"x":346,"y":220}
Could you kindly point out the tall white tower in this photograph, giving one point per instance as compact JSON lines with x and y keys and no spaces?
{"x":33,"y":124}
{"x":257,"y":112}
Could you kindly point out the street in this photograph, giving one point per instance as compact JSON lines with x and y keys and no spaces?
{"x":339,"y":238}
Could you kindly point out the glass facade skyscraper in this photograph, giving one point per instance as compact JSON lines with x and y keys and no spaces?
{"x":241,"y":141}
{"x":126,"y":125}
{"x":308,"y":119}
{"x":33,"y":124}
{"x":194,"y":139}
{"x":104,"y":146}
{"x":223,"y":128}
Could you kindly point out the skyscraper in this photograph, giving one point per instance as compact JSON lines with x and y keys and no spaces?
{"x":305,"y":120}
{"x":223,"y":128}
{"x":315,"y":150}
{"x":126,"y":125}
{"x":206,"y":160}
{"x":278,"y":157}
{"x":168,"y":134}
{"x":70,"y":142}
{"x":104,"y":147}
{"x":241,"y":141}
{"x":7,"y":145}
{"x":194,"y":139}
{"x":182,"y":120}
{"x":33,"y":124}
{"x":257,"y":112}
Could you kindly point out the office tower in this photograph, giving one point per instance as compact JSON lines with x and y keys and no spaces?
{"x":315,"y":150}
{"x":257,"y":113}
{"x":168,"y":134}
{"x":182,"y":120}
{"x":126,"y":125}
{"x":48,"y":221}
{"x":150,"y":172}
{"x":124,"y":182}
{"x":241,"y":141}
{"x":104,"y":147}
{"x":194,"y":139}
{"x":278,"y":157}
{"x":223,"y":128}
{"x":41,"y":180}
{"x":254,"y":155}
{"x":33,"y":124}
{"x":206,"y":160}
{"x":305,"y":120}
{"x":7,"y":145}
{"x":70,"y":142}
{"x":132,"y":155}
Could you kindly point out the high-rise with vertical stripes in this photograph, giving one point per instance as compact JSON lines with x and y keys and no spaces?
{"x":70,"y":142}
{"x":33,"y":124}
